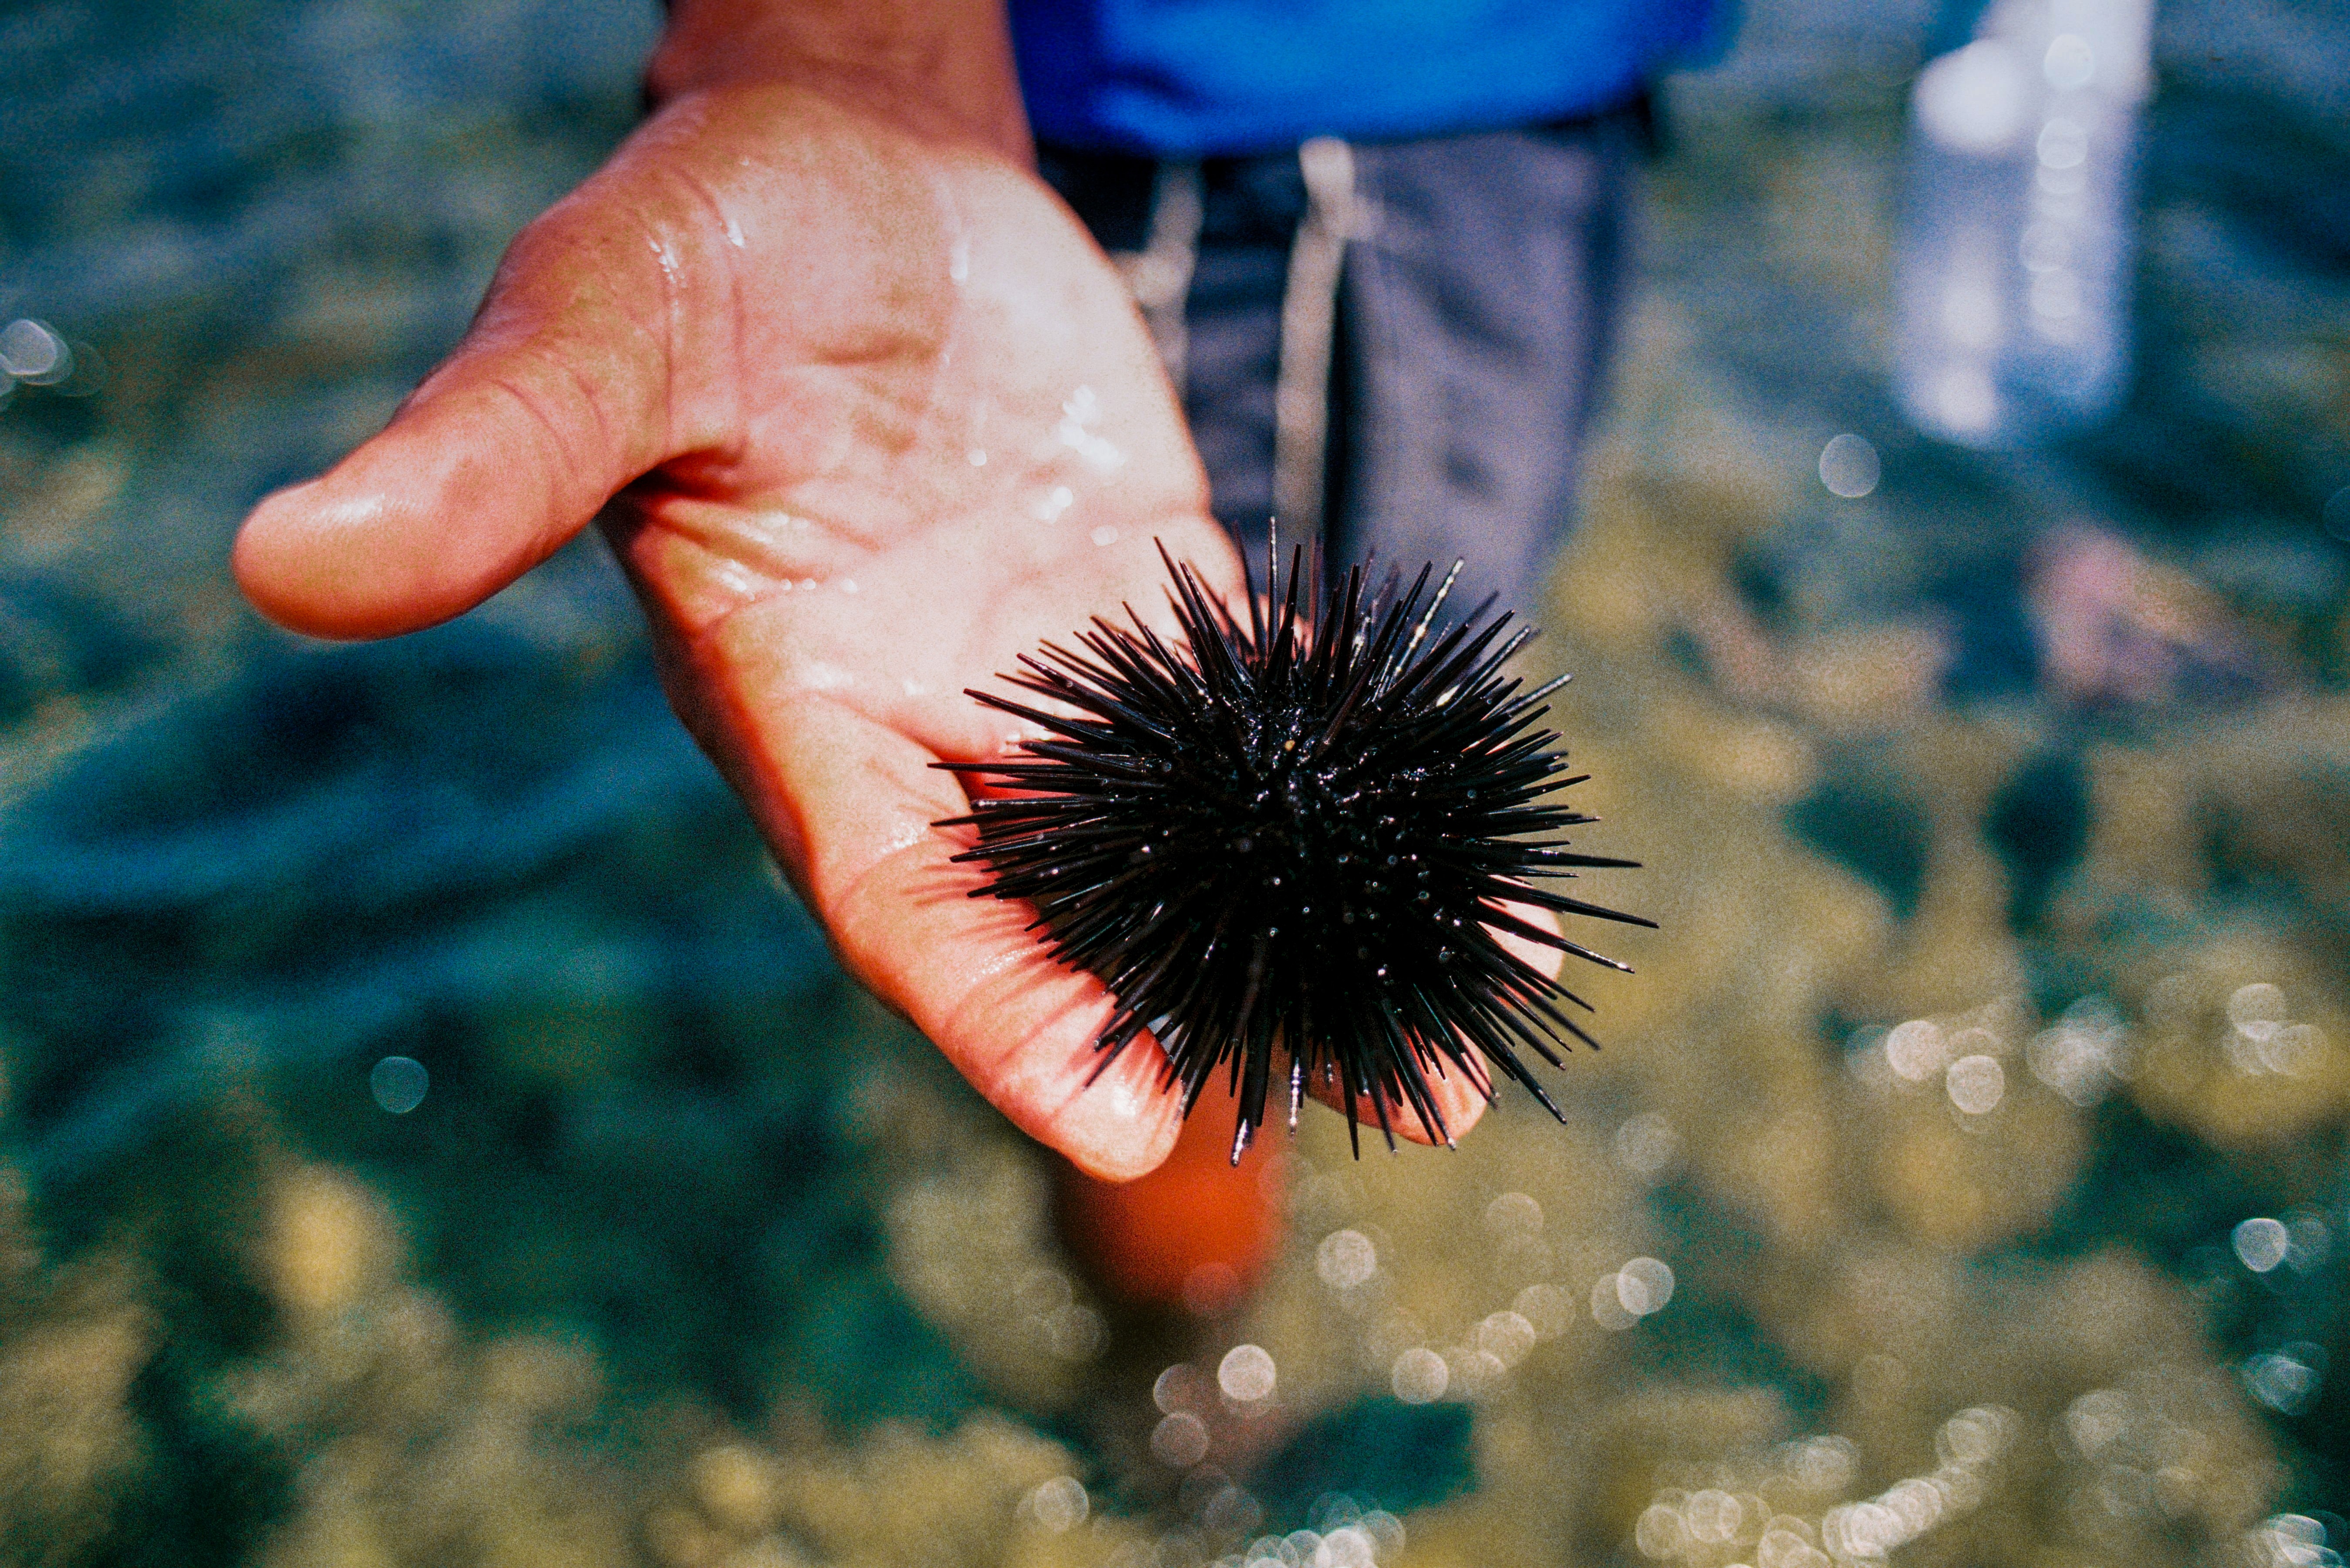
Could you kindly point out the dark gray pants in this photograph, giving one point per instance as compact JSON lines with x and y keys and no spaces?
{"x":1473,"y":317}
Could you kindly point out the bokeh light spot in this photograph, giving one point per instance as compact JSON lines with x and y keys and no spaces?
{"x":1059,"y":1504}
{"x":1506,"y":1336}
{"x":2260,"y":1244}
{"x":1176,"y":1388}
{"x":1714,"y":1514}
{"x":31,"y":352}
{"x":2064,"y":145}
{"x":1644,"y":1285}
{"x":1647,"y":1144}
{"x":1179,"y":1441}
{"x":1976,"y":1084}
{"x":2286,"y":1381}
{"x":1418,"y":1376}
{"x":1972,"y":99}
{"x":1849,"y":466}
{"x":1916,"y":1050}
{"x":399,"y":1083}
{"x":2069,"y":63}
{"x":1660,"y":1532}
{"x":1345,"y":1258}
{"x":1246,"y":1373}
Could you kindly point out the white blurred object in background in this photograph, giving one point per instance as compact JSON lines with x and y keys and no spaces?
{"x":2013,"y":272}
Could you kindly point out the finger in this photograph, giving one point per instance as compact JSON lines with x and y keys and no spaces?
{"x":1455,"y":1095}
{"x":1459,"y":1096}
{"x":1542,"y":958}
{"x":850,"y":804}
{"x":558,"y":397}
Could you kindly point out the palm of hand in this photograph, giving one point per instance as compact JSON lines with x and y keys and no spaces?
{"x":938,"y":438}
{"x":865,"y":416}
{"x":872,"y":418}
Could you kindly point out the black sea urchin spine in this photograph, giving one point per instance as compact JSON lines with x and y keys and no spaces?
{"x":1291,"y":840}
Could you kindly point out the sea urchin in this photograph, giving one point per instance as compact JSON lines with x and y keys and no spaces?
{"x":1295,"y":836}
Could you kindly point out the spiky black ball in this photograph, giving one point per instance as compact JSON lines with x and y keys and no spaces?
{"x":1291,"y":837}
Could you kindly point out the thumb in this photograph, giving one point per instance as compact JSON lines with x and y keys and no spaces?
{"x":558,"y":397}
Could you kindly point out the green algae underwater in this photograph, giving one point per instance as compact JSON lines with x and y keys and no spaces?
{"x":1963,"y":1176}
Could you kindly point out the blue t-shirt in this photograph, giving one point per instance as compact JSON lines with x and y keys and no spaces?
{"x":1191,"y":78}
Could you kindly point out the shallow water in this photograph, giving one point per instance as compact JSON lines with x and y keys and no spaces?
{"x":688,"y":1253}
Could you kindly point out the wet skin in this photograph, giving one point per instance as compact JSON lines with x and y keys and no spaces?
{"x":865,"y":415}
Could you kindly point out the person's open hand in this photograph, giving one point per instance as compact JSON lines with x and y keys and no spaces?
{"x":866,"y":415}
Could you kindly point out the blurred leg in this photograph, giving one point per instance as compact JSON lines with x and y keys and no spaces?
{"x":1198,"y":1231}
{"x":1479,"y":310}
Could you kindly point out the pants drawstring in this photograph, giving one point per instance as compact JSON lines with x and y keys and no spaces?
{"x":1309,"y":320}
{"x":1159,"y":275}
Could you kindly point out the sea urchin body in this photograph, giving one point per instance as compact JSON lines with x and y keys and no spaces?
{"x":1288,"y":844}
